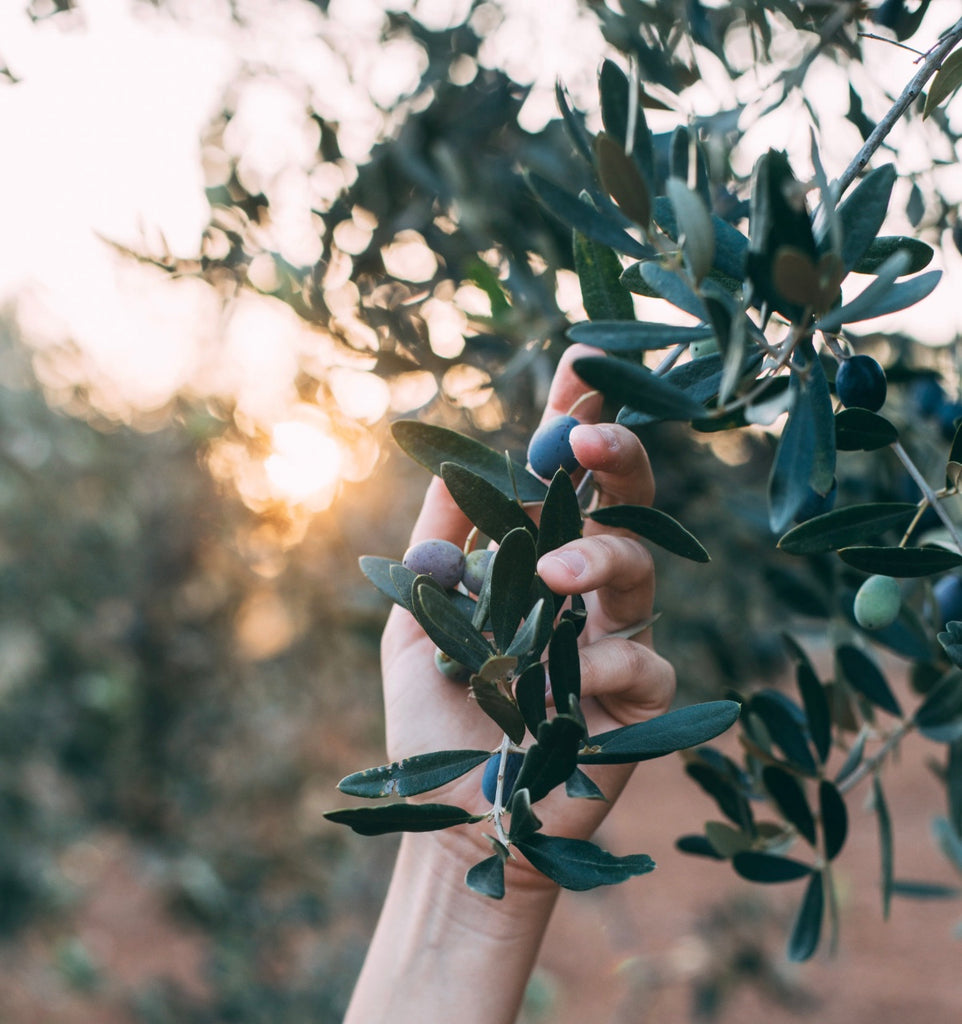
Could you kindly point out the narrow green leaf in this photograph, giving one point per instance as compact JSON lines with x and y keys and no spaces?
{"x":532,"y":638}
{"x":951,"y":641}
{"x":599,"y":270}
{"x":883,"y":295}
{"x":487,"y":877}
{"x":844,"y":527}
{"x":817,"y":712}
{"x":853,"y":760}
{"x":723,"y":790}
{"x":613,"y":89}
{"x":573,"y":122}
{"x":529,"y":691}
{"x":920,"y":890}
{"x":904,"y":563}
{"x":949,"y":841}
{"x":418,"y":774}
{"x":782,"y":719}
{"x":683,"y":144}
{"x":671,"y":286}
{"x":579,"y":865}
{"x":953,"y":786}
{"x":511,"y":577}
{"x":561,"y":520}
{"x":598,"y":226}
{"x":807,"y":929}
{"x":622,"y":179}
{"x":768,"y":867}
{"x":524,"y":822}
{"x":939,"y":716}
{"x":580,"y":786}
{"x":919,"y":253}
{"x":725,"y":840}
{"x":698,"y":845}
{"x":788,"y":484}
{"x":655,"y":526}
{"x":863,"y":675}
{"x":790,"y":799}
{"x":675,"y":730}
{"x":376,"y":821}
{"x":860,"y":430}
{"x":446,"y":626}
{"x":627,"y":337}
{"x":834,"y":816}
{"x":862,"y":213}
{"x":484,"y":504}
{"x":885,"y":843}
{"x":431,"y":446}
{"x":637,"y":387}
{"x":564,"y":669}
{"x":378,"y":571}
{"x":499,"y":708}
{"x":947,"y":79}
{"x":551,"y":760}
{"x":695,"y":227}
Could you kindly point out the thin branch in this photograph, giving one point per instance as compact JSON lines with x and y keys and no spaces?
{"x":930,"y":495}
{"x":930,"y":65}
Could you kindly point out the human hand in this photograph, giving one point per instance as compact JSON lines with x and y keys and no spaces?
{"x":623,"y":679}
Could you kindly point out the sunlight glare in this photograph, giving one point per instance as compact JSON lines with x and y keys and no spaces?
{"x":304,"y":465}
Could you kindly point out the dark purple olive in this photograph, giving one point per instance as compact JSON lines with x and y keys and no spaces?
{"x":489,"y":781}
{"x":438,"y":558}
{"x":860,"y":382}
{"x":550,"y":448}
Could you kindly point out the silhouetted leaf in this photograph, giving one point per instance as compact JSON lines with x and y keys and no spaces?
{"x":901,"y":562}
{"x":863,"y":675}
{"x":861,"y":215}
{"x":844,"y":527}
{"x":622,"y":179}
{"x":564,"y":669}
{"x":582,"y":217}
{"x":529,"y":691}
{"x":675,"y":730}
{"x":432,"y":445}
{"x":511,"y":577}
{"x":698,"y":845}
{"x":655,"y":526}
{"x":919,"y":254}
{"x":524,"y":822}
{"x":484,"y":504}
{"x":623,"y":337}
{"x":418,"y":774}
{"x":579,"y":786}
{"x":599,"y":270}
{"x":533,"y":636}
{"x":834,"y":816}
{"x":794,"y":464}
{"x":487,"y":877}
{"x":807,"y":929}
{"x":885,"y":843}
{"x":579,"y":865}
{"x":725,"y":792}
{"x":947,"y":79}
{"x":817,"y":712}
{"x":789,"y":797}
{"x":613,"y":91}
{"x":939,"y":716}
{"x":378,"y":571}
{"x":951,"y":641}
{"x":376,"y":821}
{"x":637,"y":387}
{"x":768,"y":867}
{"x":861,"y":430}
{"x":782,"y":719}
{"x":499,"y":708}
{"x":574,"y":123}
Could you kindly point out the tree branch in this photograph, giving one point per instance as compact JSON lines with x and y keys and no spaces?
{"x":930,"y":65}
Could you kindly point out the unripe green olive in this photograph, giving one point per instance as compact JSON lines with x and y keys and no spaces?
{"x":877,"y":602}
{"x":447,"y":666}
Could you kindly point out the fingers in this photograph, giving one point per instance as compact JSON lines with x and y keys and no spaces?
{"x":627,"y":678}
{"x":619,"y":462}
{"x":619,"y":569}
{"x":440,"y":517}
{"x":567,"y":387}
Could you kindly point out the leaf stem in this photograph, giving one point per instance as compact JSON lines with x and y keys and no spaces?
{"x":930,"y":495}
{"x":499,"y":791}
{"x":871,"y":764}
{"x":931,"y":64}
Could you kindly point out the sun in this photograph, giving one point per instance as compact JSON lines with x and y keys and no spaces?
{"x":304,"y":465}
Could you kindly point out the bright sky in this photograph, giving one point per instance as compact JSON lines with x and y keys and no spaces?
{"x":102,"y":136}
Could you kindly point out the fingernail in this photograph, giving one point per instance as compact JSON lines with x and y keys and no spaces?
{"x":573,"y":561}
{"x":610,"y":436}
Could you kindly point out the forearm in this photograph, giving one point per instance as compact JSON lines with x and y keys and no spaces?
{"x":442,"y":952}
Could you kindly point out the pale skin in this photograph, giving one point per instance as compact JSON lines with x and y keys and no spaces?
{"x":440,"y":951}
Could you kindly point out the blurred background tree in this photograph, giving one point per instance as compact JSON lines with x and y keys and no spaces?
{"x":188,"y":655}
